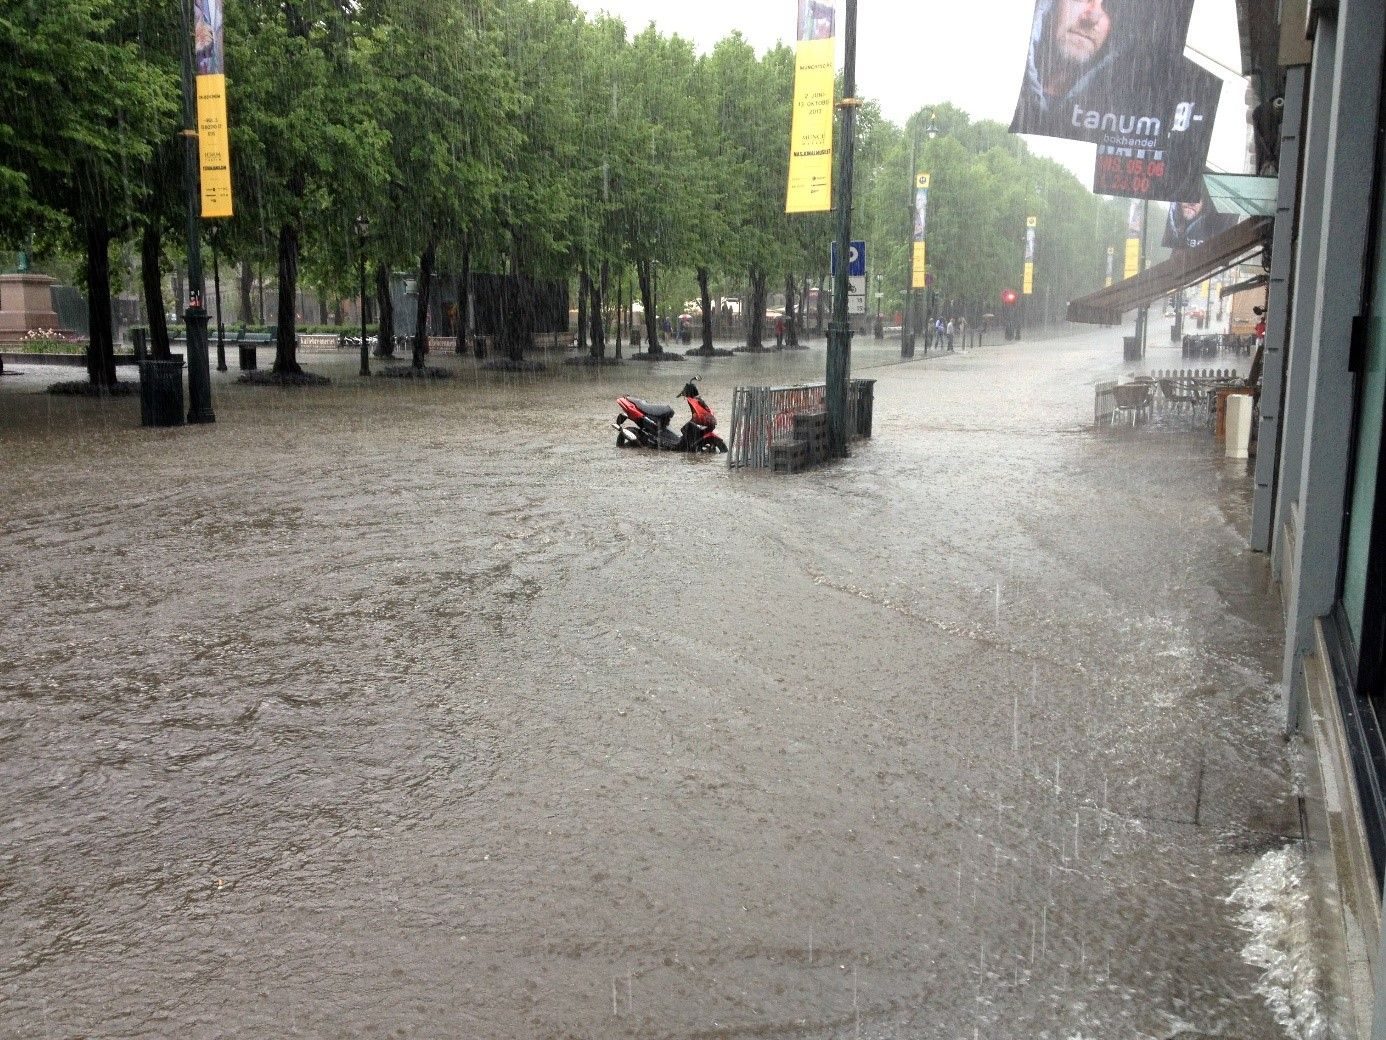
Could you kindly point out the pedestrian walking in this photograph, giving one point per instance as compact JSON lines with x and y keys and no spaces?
{"x":779,"y":330}
{"x":962,"y":331}
{"x":948,"y":331}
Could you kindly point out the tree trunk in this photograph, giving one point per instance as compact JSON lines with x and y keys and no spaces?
{"x":338,"y":317}
{"x":464,"y":300}
{"x":421,"y":311}
{"x":620,"y":314}
{"x":584,"y":291}
{"x":791,"y":313}
{"x":100,"y":346}
{"x":322,"y":307}
{"x":152,"y":282}
{"x":385,"y":327}
{"x":247,"y":282}
{"x":286,"y":324}
{"x":756,"y":324}
{"x":643,"y":271}
{"x":706,"y":299}
{"x":818,"y":310}
{"x":595,"y":312}
{"x":520,"y":316}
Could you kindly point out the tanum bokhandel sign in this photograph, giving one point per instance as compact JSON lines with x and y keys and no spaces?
{"x":1113,"y":73}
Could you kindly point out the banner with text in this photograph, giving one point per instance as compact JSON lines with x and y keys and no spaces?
{"x":1135,"y":228}
{"x":1102,"y":72}
{"x":810,"y":188}
{"x":213,"y":139}
{"x":1027,"y":285}
{"x":1168,"y":166}
{"x":919,"y":268}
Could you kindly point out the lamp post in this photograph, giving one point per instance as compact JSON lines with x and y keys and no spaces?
{"x":839,"y":331}
{"x":880,"y":330}
{"x":363,"y":227}
{"x":215,"y":236}
{"x":195,"y":317}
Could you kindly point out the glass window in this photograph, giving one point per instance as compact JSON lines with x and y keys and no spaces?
{"x":1368,"y":448}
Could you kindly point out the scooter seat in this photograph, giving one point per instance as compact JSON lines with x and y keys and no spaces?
{"x":661,"y":413}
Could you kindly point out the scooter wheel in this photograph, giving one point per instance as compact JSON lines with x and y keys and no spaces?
{"x":714,"y":444}
{"x":621,"y":441}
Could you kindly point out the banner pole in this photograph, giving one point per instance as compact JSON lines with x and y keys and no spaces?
{"x":839,"y":331}
{"x":195,"y":317}
{"x":906,"y":340}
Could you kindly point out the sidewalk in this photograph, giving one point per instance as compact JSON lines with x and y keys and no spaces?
{"x":420,"y":709}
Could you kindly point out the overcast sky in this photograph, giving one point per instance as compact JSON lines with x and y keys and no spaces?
{"x":967,"y":52}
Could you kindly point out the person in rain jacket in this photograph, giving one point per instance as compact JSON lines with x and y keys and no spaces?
{"x":1074,"y":45}
{"x":1084,"y":63}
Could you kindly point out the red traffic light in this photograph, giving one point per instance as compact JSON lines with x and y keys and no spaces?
{"x":1008,"y":297}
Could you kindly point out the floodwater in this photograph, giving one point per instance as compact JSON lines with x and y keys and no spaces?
{"x":406,"y":710}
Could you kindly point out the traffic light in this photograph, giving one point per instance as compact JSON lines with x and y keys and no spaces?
{"x":1008,"y":297}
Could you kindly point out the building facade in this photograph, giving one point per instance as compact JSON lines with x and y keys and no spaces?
{"x":1320,"y":495}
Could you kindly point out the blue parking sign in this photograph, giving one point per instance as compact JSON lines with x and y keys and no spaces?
{"x":856,"y":259}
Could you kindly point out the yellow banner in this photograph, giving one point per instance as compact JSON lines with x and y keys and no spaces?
{"x":1027,"y":287}
{"x":811,"y":131}
{"x":919,"y":270}
{"x":1133,"y":258}
{"x":213,"y":146}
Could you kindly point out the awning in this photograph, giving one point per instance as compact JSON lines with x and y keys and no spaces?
{"x":1106,"y":306}
{"x":1251,"y":283}
{"x":1245,"y":195}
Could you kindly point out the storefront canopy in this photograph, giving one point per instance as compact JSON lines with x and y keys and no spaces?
{"x":1106,"y":306}
{"x":1258,"y":282}
{"x":1243,"y":194}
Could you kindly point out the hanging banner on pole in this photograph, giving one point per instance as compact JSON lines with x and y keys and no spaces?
{"x":1111,"y":254}
{"x":810,"y":188}
{"x":213,"y":139}
{"x":919,"y":269}
{"x":1027,"y":286}
{"x":1134,"y":225}
{"x":1169,"y":165}
{"x":1105,"y":73}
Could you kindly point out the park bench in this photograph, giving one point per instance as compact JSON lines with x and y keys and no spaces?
{"x":247,"y":343}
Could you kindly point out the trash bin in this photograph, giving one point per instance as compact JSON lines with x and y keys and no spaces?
{"x":161,"y":392}
{"x":1130,"y":348}
{"x":864,"y":391}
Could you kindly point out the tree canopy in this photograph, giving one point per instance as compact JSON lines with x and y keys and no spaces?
{"x":514,"y":136}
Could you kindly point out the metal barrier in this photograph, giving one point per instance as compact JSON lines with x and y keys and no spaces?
{"x":763,"y":416}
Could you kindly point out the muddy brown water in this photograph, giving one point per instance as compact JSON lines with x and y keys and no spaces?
{"x":412,"y":710}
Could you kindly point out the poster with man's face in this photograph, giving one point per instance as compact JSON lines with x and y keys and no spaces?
{"x":1102,"y":71}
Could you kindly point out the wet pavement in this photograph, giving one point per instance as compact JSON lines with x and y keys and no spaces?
{"x":411,"y":709}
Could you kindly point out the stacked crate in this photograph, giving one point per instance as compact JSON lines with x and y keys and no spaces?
{"x":807,"y":447}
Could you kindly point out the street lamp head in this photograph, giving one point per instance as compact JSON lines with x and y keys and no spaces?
{"x":363,"y":225}
{"x":932,"y":130}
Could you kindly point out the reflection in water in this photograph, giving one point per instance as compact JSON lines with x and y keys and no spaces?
{"x":398,"y":709}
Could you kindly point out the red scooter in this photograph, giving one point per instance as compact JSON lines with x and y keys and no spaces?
{"x":644,"y":425}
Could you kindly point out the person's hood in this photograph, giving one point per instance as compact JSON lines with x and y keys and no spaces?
{"x":1043,"y":10}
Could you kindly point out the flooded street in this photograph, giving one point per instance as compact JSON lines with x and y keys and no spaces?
{"x":420,"y":710}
